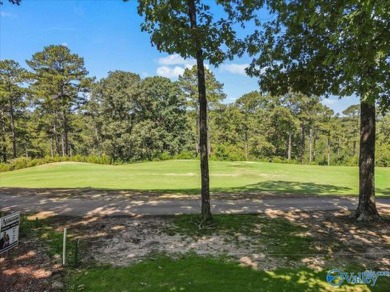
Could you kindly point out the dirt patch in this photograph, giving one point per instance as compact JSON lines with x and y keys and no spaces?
{"x":337,"y":239}
{"x":28,"y":267}
{"x":119,"y":241}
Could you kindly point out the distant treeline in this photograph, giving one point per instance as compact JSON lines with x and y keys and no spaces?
{"x":53,"y":111}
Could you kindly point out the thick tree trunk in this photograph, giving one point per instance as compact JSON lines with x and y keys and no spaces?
{"x":367,"y":209}
{"x":203,"y":144}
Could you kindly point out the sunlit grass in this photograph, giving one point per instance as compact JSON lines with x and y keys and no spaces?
{"x":195,"y":273}
{"x":183,"y":176}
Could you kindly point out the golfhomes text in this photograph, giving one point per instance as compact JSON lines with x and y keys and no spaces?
{"x":9,"y":231}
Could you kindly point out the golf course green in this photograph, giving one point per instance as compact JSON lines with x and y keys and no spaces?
{"x":182,"y":176}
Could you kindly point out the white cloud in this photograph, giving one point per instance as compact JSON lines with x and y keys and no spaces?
{"x":64,"y":44}
{"x":170,"y":72}
{"x":328,"y":101}
{"x":176,"y":59}
{"x":174,"y":65}
{"x":234,"y":68}
{"x":7,"y":14}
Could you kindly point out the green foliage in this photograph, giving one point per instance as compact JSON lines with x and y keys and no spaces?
{"x":59,"y":85}
{"x":185,"y":155}
{"x":25,"y":162}
{"x":228,"y":152}
{"x":128,"y":119}
{"x":171,"y":30}
{"x":13,"y":108}
{"x":338,"y":49}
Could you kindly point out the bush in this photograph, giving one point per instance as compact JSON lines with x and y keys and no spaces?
{"x":185,"y":155}
{"x":4,"y":167}
{"x":24,"y":162}
{"x":228,"y":152}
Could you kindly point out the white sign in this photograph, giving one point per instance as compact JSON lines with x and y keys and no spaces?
{"x":9,"y":231}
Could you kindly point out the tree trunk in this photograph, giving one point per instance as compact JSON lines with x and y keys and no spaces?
{"x":4,"y":148}
{"x":328,"y":150}
{"x":3,"y":138}
{"x":55,"y":137}
{"x":13,"y":129}
{"x":246,"y":145}
{"x":65,"y":142}
{"x":367,"y":209}
{"x":204,"y":159}
{"x":303,"y":142}
{"x":310,"y":145}
{"x":314,"y":145}
{"x":289,"y":146}
{"x":197,"y":131}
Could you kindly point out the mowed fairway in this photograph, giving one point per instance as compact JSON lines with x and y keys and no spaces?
{"x":182,"y":176}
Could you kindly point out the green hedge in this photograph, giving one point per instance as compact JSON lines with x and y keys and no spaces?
{"x":24,"y":162}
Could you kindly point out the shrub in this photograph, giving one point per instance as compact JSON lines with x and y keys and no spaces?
{"x":185,"y":155}
{"x":24,"y":162}
{"x":4,"y":167}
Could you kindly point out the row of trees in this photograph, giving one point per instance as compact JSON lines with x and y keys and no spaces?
{"x":54,"y":109}
{"x":306,"y":46}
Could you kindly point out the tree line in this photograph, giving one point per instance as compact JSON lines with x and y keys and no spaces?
{"x":54,"y":109}
{"x":306,"y":46}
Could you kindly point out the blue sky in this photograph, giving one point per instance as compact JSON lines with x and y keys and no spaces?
{"x":106,"y":33}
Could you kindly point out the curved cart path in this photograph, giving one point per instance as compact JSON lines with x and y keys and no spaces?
{"x":70,"y":206}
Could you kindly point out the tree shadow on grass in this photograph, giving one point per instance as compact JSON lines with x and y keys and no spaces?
{"x":264,"y":187}
{"x":384,"y":191}
{"x":288,"y":187}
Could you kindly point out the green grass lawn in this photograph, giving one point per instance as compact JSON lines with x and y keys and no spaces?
{"x":182,"y":176}
{"x":194,"y":273}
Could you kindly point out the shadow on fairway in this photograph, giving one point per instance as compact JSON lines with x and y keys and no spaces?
{"x":262,"y":188}
{"x":288,"y":187}
{"x":384,"y":191}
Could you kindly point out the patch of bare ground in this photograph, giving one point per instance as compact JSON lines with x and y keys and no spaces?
{"x":28,"y":267}
{"x":337,"y":240}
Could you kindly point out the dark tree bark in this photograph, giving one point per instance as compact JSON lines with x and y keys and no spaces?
{"x":203,"y":135}
{"x":367,"y":209}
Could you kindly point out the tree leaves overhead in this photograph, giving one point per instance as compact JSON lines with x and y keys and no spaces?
{"x":168,"y":24}
{"x":325,"y":47}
